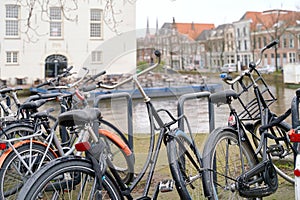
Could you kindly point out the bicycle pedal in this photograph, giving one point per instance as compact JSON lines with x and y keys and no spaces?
{"x":166,"y":186}
{"x":276,"y":149}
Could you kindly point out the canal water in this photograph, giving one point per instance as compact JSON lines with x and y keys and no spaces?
{"x":197,"y":113}
{"x":196,"y":110}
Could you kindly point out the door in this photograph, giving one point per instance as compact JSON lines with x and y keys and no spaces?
{"x":54,"y":65}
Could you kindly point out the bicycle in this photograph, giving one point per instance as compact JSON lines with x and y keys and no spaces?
{"x":84,"y":120}
{"x":183,"y":156}
{"x":43,"y":146}
{"x":19,"y":123}
{"x":237,"y":166}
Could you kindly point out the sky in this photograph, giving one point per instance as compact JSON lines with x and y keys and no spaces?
{"x":203,"y":11}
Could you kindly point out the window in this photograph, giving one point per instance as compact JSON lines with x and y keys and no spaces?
{"x":265,"y":41}
{"x":259,"y":27}
{"x":259,"y":43}
{"x":12,"y":20}
{"x":12,"y":57}
{"x":284,"y":58}
{"x":96,"y":56}
{"x":245,"y":44}
{"x":292,"y":57}
{"x":284,"y":42}
{"x":96,"y":23}
{"x":55,"y":22}
{"x":265,"y":59}
{"x":291,"y":41}
{"x":245,"y":32}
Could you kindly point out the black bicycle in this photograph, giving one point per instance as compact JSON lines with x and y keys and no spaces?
{"x":74,"y":177}
{"x":242,"y":159}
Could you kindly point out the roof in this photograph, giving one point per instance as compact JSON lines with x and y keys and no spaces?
{"x":204,"y":35}
{"x":192,"y":30}
{"x":270,"y":18}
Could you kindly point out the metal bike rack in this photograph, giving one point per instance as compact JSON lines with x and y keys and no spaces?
{"x":180,"y":109}
{"x":129,"y":110}
{"x":198,"y":95}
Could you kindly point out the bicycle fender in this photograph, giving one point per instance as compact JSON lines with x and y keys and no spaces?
{"x":233,"y":130}
{"x":224,"y":128}
{"x":113,"y":137}
{"x":2,"y":130}
{"x":19,"y":144}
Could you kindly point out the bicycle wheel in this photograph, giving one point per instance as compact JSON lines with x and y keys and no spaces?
{"x":283,"y":162}
{"x":185,"y":164}
{"x":223,"y":164}
{"x":118,"y":151}
{"x":16,"y":130}
{"x":15,"y":169}
{"x":67,"y":178}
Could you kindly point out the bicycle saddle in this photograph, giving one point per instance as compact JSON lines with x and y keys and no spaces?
{"x":9,"y":89}
{"x":79,"y":117}
{"x":223,"y":97}
{"x":33,"y":104}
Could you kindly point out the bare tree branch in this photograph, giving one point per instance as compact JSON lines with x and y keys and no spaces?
{"x":41,"y":8}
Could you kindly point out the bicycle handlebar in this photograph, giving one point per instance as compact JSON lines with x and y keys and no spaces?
{"x":271,"y":44}
{"x":111,"y":87}
{"x":93,"y":78}
{"x":56,"y":79}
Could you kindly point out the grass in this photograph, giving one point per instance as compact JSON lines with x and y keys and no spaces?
{"x":162,"y":172}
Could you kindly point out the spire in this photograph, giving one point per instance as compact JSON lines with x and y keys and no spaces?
{"x":156,"y":31}
{"x":148,"y":30}
{"x":193,"y":26}
{"x":174,"y":23}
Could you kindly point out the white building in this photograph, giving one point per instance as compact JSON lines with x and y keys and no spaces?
{"x":243,"y":42}
{"x":82,"y":34}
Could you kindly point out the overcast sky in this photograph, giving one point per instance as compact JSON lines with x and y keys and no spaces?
{"x":203,"y":11}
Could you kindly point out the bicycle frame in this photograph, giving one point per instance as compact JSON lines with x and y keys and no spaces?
{"x":52,"y":139}
{"x":264,"y":170}
{"x":156,"y":123}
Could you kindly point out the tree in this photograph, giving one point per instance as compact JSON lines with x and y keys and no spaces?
{"x":41,"y":8}
{"x":276,"y":23}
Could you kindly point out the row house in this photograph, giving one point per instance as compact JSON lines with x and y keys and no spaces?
{"x":241,"y":41}
{"x":283,"y":25}
{"x":217,"y":46}
{"x":37,"y":41}
{"x":177,"y":42}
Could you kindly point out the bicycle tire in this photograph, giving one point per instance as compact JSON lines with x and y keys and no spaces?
{"x":118,"y":151}
{"x":64,"y":176}
{"x":14,"y":173}
{"x":20,"y":128}
{"x":185,"y":165}
{"x":284,"y":165}
{"x":17,"y":130}
{"x":220,"y":173}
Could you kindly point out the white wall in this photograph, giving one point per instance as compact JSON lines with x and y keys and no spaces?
{"x":76,"y":44}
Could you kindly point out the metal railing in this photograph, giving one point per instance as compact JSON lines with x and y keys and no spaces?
{"x":199,"y":95}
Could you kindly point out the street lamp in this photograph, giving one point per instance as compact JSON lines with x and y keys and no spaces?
{"x":55,"y":67}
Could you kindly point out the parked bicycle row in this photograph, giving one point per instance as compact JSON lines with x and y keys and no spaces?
{"x":80,"y":155}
